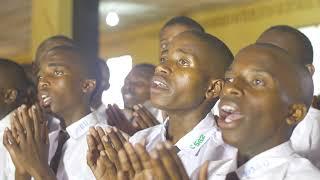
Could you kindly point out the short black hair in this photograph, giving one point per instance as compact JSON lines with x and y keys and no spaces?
{"x":307,"y":49}
{"x":186,"y":21}
{"x":51,"y":40}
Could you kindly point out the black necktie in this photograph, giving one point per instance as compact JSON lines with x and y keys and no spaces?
{"x":54,"y":163}
{"x":232,"y":176}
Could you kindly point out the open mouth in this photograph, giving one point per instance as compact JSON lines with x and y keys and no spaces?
{"x":159,"y":83}
{"x":229,"y":115}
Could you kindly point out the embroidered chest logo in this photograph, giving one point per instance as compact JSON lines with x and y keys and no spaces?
{"x":198,"y":142}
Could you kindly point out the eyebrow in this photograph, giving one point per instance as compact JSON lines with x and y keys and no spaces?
{"x":260,"y":71}
{"x":185,"y":50}
{"x":57,"y":64}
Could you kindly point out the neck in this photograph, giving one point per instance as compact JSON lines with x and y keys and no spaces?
{"x":71,"y":116}
{"x":245,"y":153}
{"x":183,"y":121}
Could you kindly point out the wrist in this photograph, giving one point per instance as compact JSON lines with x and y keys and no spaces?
{"x":44,"y":173}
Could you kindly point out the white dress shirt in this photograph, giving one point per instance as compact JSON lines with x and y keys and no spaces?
{"x":73,"y":165}
{"x":203,"y":142}
{"x":278,"y":163}
{"x":101,"y":114}
{"x":306,"y":137}
{"x":6,"y":165}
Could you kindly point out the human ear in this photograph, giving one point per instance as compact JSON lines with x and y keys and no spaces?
{"x":297,"y":113}
{"x":10,"y":96}
{"x":214,"y":89}
{"x":89,"y":85}
{"x":310,"y":68}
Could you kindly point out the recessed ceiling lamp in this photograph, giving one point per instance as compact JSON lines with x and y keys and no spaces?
{"x":112,"y":19}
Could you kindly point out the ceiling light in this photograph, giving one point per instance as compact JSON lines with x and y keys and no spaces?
{"x":112,"y":19}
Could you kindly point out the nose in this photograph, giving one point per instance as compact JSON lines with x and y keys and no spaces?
{"x":43,"y":83}
{"x":163,"y":69}
{"x":231,"y":89}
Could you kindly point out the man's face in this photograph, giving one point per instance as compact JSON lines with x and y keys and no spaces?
{"x":166,"y":36}
{"x":254,"y":105}
{"x":180,"y":81}
{"x":136,"y":88}
{"x":60,"y":83}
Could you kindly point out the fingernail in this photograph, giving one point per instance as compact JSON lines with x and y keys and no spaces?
{"x":140,"y":105}
{"x":104,"y":138}
{"x":135,"y":107}
{"x":154,"y":155}
{"x":115,"y":129}
{"x":167,"y":145}
{"x":102,"y":153}
{"x":108,"y":130}
{"x":23,"y":106}
{"x":159,"y":146}
{"x":33,"y":107}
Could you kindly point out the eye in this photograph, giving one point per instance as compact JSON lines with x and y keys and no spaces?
{"x":163,"y":46}
{"x":258,"y":82}
{"x":58,"y":73}
{"x":183,"y":62}
{"x":40,"y":78}
{"x":228,"y":79}
{"x":162,"y":59}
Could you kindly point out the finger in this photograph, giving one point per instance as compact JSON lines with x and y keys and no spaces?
{"x":20,"y":130}
{"x":168,"y":162}
{"x":103,"y":160}
{"x":119,"y":134}
{"x":26,"y":122}
{"x":122,"y":176}
{"x":174,"y":156}
{"x":125,"y":162}
{"x":116,"y":142}
{"x":139,"y":121}
{"x":133,"y":157}
{"x":157,"y":166}
{"x":119,"y":112}
{"x":9,"y":141}
{"x":203,"y":175}
{"x":45,"y":132}
{"x":111,"y":152}
{"x":147,"y":117}
{"x":90,"y":160}
{"x":143,"y":156}
{"x":12,"y":124}
{"x":91,"y":143}
{"x":119,"y":119}
{"x":96,"y":138}
{"x":110,"y":119}
{"x":112,"y":114}
{"x":36,"y":123}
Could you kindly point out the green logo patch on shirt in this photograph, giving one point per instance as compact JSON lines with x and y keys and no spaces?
{"x":198,"y":142}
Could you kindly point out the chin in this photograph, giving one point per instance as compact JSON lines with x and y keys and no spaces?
{"x":231,"y":138}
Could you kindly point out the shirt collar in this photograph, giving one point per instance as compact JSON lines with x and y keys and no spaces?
{"x":5,"y":122}
{"x":79,"y":128}
{"x":266,"y":160}
{"x":198,"y":136}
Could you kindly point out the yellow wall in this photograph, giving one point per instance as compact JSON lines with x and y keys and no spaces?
{"x":50,"y":17}
{"x":236,"y":26}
